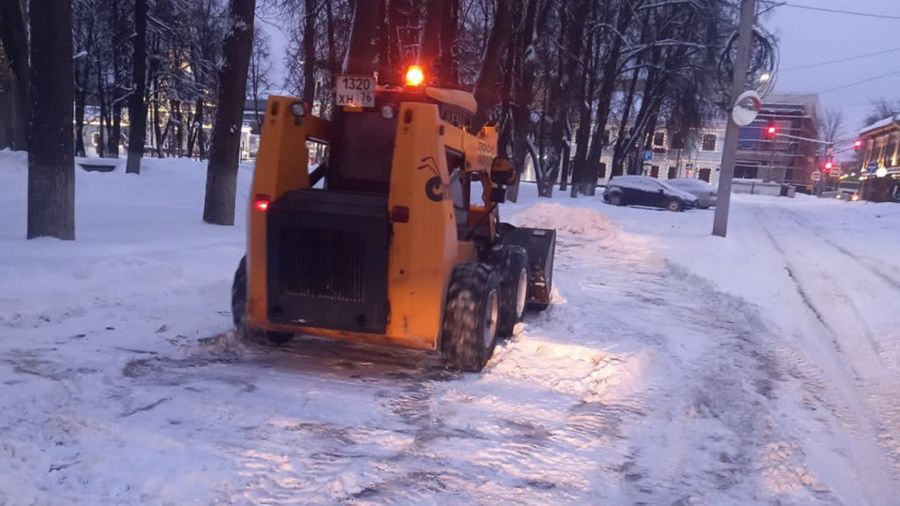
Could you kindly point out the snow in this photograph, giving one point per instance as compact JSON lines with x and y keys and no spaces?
{"x":890,"y":120}
{"x":672,"y":367}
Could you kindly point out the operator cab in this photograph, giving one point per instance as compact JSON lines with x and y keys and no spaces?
{"x":365,"y":124}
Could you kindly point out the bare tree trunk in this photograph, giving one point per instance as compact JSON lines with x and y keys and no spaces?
{"x":179,"y":131}
{"x":201,"y":136}
{"x":51,"y":167}
{"x":101,"y":98}
{"x":309,"y":53}
{"x":573,"y":20}
{"x":385,"y":72}
{"x":449,"y":69}
{"x":624,"y":136}
{"x":137,"y":108}
{"x":580,"y":172}
{"x":332,"y":45}
{"x":157,"y":128}
{"x":607,"y":89}
{"x":15,"y":43}
{"x":221,"y":173}
{"x":332,"y":48}
{"x":115,"y":134}
{"x":7,"y":109}
{"x":82,"y":74}
{"x":486,"y":86}
{"x":523,"y":93}
{"x":430,"y":38}
{"x":360,"y":52}
{"x":80,"y":99}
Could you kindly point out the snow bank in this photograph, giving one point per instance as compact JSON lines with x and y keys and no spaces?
{"x":573,"y":222}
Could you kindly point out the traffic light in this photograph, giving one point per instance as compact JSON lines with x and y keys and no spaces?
{"x":857,"y":145}
{"x":828,"y":165}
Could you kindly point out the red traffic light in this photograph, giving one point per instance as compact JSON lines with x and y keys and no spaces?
{"x":858,"y":144}
{"x":828,"y":165}
{"x":772,"y":130}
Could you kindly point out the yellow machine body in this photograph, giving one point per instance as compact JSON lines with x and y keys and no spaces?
{"x":424,"y":243}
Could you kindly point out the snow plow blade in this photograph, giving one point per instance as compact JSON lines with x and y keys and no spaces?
{"x":540,"y":243}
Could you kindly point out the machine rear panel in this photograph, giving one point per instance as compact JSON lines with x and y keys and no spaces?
{"x":328,"y":255}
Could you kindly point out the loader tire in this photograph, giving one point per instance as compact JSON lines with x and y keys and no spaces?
{"x":239,"y":312}
{"x":471,"y":314}
{"x":512,"y":264}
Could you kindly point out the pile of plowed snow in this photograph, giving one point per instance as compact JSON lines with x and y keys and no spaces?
{"x":581,"y":222}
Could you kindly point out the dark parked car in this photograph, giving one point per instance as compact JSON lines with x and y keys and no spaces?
{"x":705,"y":193}
{"x":647,"y":191}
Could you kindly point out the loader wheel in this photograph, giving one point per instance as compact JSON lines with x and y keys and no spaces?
{"x":471,"y":314}
{"x":239,"y":308}
{"x":512,"y":263}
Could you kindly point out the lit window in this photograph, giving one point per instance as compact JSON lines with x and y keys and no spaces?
{"x":659,"y":139}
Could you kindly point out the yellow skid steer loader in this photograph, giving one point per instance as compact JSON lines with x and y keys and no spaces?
{"x":395,"y":238}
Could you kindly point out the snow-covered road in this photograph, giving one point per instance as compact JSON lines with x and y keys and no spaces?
{"x":672,"y":368}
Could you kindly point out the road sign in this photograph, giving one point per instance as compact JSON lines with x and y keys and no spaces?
{"x":836,"y":172}
{"x":815,"y":176}
{"x":648,"y":155}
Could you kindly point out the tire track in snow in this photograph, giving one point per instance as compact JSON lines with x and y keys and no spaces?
{"x":707,"y":429}
{"x":878,"y":463}
{"x":870,"y":266}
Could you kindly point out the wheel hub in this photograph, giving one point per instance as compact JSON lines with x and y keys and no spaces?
{"x":491,"y":313}
{"x":521,"y":292}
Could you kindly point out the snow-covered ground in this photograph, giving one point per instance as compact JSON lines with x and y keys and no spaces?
{"x":673,"y":367}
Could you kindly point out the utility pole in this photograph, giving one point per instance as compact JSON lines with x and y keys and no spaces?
{"x":729,"y":154}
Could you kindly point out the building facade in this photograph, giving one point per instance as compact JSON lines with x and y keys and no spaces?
{"x":879,"y":170}
{"x":782,"y":144}
{"x":790,"y":155}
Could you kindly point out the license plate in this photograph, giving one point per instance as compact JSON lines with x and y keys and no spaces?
{"x":354,"y":91}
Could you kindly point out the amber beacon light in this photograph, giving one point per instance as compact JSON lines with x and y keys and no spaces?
{"x":415,"y":76}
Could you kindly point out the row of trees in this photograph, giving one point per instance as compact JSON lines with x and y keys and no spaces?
{"x":158,"y":58}
{"x":174,"y":77}
{"x":564,"y":79}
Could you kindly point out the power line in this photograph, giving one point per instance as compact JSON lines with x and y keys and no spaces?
{"x":838,"y":11}
{"x":855,"y":83}
{"x":840,"y":60}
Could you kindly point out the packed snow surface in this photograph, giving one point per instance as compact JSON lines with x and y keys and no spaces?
{"x":673,"y":367}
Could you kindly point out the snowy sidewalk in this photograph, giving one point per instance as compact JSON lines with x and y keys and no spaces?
{"x":671,"y":368}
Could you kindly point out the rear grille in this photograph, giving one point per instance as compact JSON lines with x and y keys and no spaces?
{"x":322,"y":264}
{"x":328,"y":258}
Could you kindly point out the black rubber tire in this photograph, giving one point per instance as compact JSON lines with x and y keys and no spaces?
{"x":467,"y":319}
{"x":512,"y":263}
{"x":674,"y":206}
{"x":615,"y":199}
{"x":239,"y":308}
